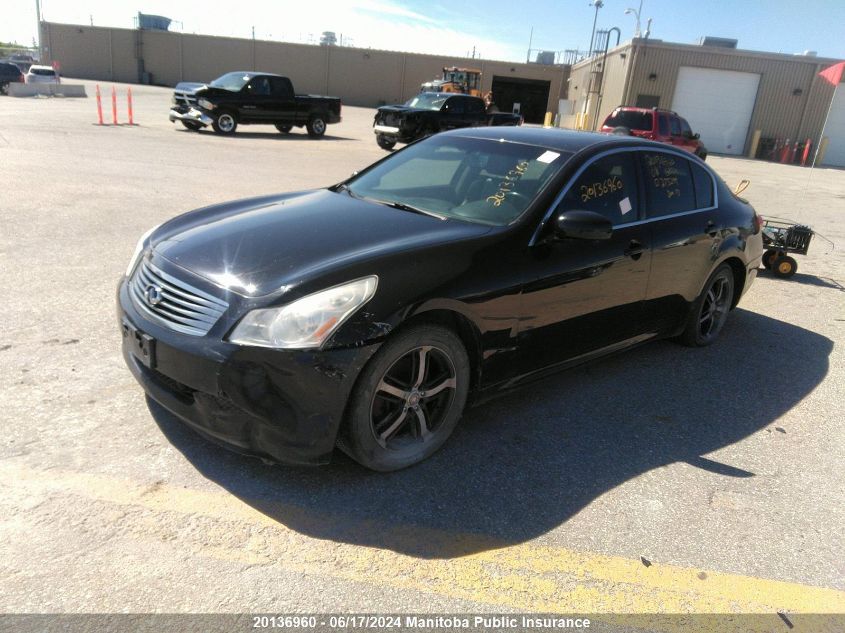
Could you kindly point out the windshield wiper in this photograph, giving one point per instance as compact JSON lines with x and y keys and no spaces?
{"x":407,"y":207}
{"x":344,"y":187}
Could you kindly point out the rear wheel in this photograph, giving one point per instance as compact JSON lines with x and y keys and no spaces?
{"x":769,"y":258}
{"x":785,"y":266}
{"x":385,"y":142}
{"x":710,"y":310}
{"x":316,"y":127}
{"x":224,"y":123}
{"x":284,"y":129}
{"x":408,"y":399}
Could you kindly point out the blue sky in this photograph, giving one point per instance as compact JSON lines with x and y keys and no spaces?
{"x":498,"y":29}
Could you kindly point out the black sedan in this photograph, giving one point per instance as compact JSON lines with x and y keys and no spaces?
{"x":366,"y":314}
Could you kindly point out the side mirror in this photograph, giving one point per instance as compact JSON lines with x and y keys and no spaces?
{"x":583,"y":225}
{"x":696,"y":136}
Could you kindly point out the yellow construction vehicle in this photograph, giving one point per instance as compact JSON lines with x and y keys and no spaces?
{"x":461,"y":80}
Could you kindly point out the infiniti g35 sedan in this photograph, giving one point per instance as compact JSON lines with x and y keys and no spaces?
{"x":364,"y":315}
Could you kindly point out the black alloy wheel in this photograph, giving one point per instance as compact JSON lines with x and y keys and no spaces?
{"x":710,"y":310}
{"x":408,"y":399}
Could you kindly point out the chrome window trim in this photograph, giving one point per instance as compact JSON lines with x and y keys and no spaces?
{"x":618,"y":150}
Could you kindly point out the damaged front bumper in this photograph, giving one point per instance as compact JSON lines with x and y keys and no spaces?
{"x":191,"y":115}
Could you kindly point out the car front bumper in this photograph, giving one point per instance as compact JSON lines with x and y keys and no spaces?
{"x":282,"y":405}
{"x":192,"y":115}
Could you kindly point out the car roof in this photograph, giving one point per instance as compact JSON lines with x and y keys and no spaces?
{"x":553,"y":138}
{"x":36,"y":66}
{"x":445,"y":94}
{"x":252,"y":73}
{"x":639,"y":109}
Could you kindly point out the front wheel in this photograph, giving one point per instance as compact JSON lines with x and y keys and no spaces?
{"x":316,"y":127}
{"x":784,"y":266}
{"x":710,"y":310}
{"x":284,"y":129}
{"x":385,"y":142}
{"x":191,"y":125}
{"x":408,"y":399}
{"x":224,"y":123}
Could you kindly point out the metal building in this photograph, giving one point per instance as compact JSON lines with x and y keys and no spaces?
{"x":726,"y":94}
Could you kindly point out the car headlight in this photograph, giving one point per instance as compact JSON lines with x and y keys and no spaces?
{"x":139,"y":248}
{"x":307,"y":322}
{"x":205,"y":104}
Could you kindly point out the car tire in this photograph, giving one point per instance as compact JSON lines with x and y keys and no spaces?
{"x":194,"y":127}
{"x":399,"y":415}
{"x":621,"y":130}
{"x":284,"y":129}
{"x":769,"y":258}
{"x":316,"y":127}
{"x":709,"y":311}
{"x":384,"y":142}
{"x":784,"y":267}
{"x":225,"y":122}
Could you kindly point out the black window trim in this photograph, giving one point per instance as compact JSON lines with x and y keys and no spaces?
{"x":640,"y":189}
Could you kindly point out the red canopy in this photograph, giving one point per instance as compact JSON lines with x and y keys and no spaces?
{"x":833,"y":74}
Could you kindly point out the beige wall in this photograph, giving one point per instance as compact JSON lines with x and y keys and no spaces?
{"x":359,"y":76}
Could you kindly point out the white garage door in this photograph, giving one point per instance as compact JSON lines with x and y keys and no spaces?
{"x":718,"y":105}
{"x":835,"y":130}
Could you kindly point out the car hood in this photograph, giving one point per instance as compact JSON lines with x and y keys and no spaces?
{"x":401,"y":109}
{"x":264,"y":245}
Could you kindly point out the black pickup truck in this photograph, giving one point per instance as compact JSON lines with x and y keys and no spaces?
{"x":249,"y":98}
{"x":431,"y":112}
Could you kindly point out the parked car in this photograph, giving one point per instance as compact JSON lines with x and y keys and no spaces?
{"x":364,"y":315}
{"x":663,"y":126}
{"x":245,"y":98}
{"x":9,"y":73}
{"x":42,"y":75}
{"x":432,"y":112}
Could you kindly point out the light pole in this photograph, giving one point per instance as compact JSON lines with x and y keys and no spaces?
{"x":636,"y":13}
{"x":598,"y":4}
{"x":38,"y":25}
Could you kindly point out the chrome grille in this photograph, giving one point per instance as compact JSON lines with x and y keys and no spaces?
{"x":184,"y":98}
{"x":179,"y":305}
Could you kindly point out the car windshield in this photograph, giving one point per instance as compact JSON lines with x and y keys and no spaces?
{"x":47,"y":72}
{"x":233,"y":82}
{"x":484,"y":181}
{"x":631,"y":119}
{"x":427,"y":101}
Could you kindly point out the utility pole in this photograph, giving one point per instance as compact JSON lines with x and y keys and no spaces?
{"x":530,"y":41}
{"x":38,"y":26}
{"x":598,"y":4}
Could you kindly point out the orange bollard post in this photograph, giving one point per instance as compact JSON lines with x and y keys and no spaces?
{"x":806,"y":155}
{"x":784,"y":152}
{"x":792,"y":152}
{"x":129,"y":105}
{"x":114,"y":105}
{"x":99,"y":107}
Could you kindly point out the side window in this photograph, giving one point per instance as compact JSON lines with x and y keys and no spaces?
{"x":608,"y":186}
{"x":675,"y":126}
{"x":703,"y":186}
{"x":280,"y":88}
{"x":685,"y":128}
{"x":668,"y":184}
{"x":259,"y":86}
{"x":475,"y":106}
{"x":663,"y":125}
{"x":455,"y":105}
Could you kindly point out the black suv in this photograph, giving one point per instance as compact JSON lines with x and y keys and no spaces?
{"x":9,"y":73}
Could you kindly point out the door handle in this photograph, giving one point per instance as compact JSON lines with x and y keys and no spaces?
{"x":635,"y":250}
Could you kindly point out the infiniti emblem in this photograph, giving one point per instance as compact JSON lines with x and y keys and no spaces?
{"x":153,"y":294}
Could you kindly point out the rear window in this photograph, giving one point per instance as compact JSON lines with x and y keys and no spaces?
{"x":47,"y":72}
{"x":631,"y":119}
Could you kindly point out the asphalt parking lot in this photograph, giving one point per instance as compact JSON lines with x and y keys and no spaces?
{"x":662,"y":480}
